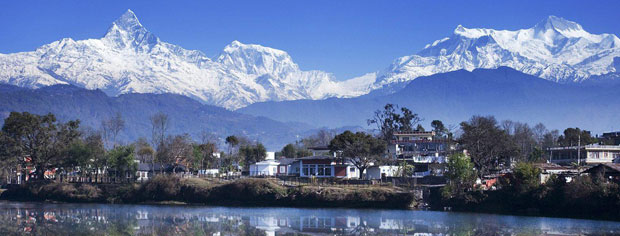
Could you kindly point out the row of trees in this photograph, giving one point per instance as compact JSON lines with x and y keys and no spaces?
{"x":42,"y":143}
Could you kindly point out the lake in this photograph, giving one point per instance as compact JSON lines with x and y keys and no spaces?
{"x":101,"y":219}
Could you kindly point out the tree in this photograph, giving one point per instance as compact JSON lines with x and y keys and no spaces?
{"x":389,"y":121}
{"x":144,"y":151}
{"x":294,"y":151}
{"x":176,"y":150}
{"x":420,"y":128}
{"x":486,"y":143}
{"x":460,"y":174}
{"x":159,"y":126}
{"x":98,"y":160}
{"x":204,"y":153}
{"x":78,"y":156}
{"x":289,"y":151}
{"x":252,"y":154}
{"x":527,"y":177}
{"x":112,"y":127}
{"x":525,"y":140}
{"x":359,"y":148}
{"x":36,"y":140}
{"x":232,"y":142}
{"x":575,"y":136}
{"x":321,"y":138}
{"x":539,"y":131}
{"x":121,"y":161}
{"x":405,"y":169}
{"x":440,"y":129}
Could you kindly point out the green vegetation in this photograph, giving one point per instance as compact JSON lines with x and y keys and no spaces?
{"x":359,"y":148}
{"x":583,"y":197}
{"x":461,"y":176}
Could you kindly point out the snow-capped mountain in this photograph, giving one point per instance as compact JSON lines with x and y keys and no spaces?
{"x":130,"y":59}
{"x":554,"y":49}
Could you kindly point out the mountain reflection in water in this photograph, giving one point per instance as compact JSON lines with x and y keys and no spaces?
{"x":94,"y":219}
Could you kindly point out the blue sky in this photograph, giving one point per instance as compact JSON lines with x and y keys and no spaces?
{"x":347,"y":38}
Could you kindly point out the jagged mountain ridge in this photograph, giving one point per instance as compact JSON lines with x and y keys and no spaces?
{"x":130,"y":59}
{"x":555,"y":49}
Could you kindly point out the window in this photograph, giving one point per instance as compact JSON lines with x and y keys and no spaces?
{"x":306,"y":170}
{"x":351,"y":169}
{"x":321,"y":170}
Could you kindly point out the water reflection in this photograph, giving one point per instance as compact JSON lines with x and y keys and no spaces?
{"x":90,"y":219}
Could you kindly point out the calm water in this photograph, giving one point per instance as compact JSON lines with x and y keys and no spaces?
{"x":95,"y":219}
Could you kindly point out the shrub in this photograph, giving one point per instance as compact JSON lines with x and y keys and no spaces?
{"x":161,"y":188}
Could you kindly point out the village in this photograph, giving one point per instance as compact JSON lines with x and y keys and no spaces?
{"x":400,"y":155}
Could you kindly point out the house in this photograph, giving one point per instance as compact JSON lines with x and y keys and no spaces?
{"x":549,"y":169}
{"x":288,"y":166}
{"x":380,"y":172}
{"x":327,"y":166}
{"x":609,"y":171}
{"x":421,"y":149}
{"x":264,"y":168}
{"x":613,"y":137}
{"x":585,"y":155}
{"x":209,"y":172}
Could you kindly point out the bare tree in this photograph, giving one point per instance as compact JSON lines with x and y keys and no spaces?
{"x":159,"y":126}
{"x":117,"y":124}
{"x":111,"y":128}
{"x":175,"y":150}
{"x":539,"y":132}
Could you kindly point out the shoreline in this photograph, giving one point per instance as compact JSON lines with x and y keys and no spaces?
{"x":171,"y":191}
{"x":245,"y":192}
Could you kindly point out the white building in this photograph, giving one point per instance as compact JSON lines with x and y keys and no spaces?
{"x":326,"y":166}
{"x":588,"y":154}
{"x":378,"y":172}
{"x":264,"y":168}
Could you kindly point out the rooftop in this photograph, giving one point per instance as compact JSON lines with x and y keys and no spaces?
{"x":414,"y":133}
{"x":588,"y":147}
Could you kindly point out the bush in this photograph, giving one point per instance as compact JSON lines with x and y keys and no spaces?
{"x":161,"y":188}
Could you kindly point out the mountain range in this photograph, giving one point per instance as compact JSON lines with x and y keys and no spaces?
{"x":455,"y":96}
{"x":130,"y":59}
{"x":554,"y":72}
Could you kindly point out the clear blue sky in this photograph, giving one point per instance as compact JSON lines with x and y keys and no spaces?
{"x":347,"y":38}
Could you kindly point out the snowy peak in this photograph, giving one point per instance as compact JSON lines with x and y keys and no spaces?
{"x":555,"y":49}
{"x":128,"y":21}
{"x":558,"y":24}
{"x":126,"y":31}
{"x":256,"y":59}
{"x":130,"y":59}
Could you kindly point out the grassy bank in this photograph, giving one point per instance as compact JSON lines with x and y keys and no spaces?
{"x":243,"y":192}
